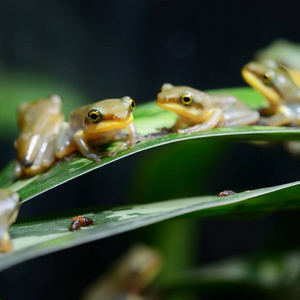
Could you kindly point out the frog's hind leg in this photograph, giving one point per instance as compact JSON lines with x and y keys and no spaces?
{"x":64,"y":144}
{"x":250,"y":117}
{"x":283,"y":116}
{"x":48,"y":158}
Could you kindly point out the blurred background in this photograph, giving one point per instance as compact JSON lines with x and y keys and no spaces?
{"x":92,"y":50}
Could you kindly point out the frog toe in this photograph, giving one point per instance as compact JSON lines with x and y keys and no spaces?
{"x":107,"y":153}
{"x":18,"y":172}
{"x":181,"y":131}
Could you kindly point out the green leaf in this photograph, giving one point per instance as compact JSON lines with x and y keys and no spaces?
{"x":18,"y":87}
{"x":41,"y":235}
{"x":271,"y":274}
{"x":148,"y":118}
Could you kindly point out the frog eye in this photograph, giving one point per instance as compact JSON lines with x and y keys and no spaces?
{"x":267,"y":77}
{"x":186,"y":99}
{"x":132,"y":104}
{"x":95,"y":116}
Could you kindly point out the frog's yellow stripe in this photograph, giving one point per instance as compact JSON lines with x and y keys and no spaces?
{"x":268,"y":92}
{"x":110,"y":125}
{"x":188,"y":112}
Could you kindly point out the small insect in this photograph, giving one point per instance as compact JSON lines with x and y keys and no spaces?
{"x":226,"y":193}
{"x":79,"y":221}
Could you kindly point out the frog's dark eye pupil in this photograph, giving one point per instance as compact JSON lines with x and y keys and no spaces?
{"x":267,"y":77}
{"x":95,"y":116}
{"x":187,"y":99}
{"x":132,"y":104}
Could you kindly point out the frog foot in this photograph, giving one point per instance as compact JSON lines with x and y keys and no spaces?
{"x":162,"y":132}
{"x":125,"y":145}
{"x":186,"y":131}
{"x":98,"y":155}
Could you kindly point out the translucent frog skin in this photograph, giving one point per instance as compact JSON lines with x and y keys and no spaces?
{"x":276,"y":85}
{"x":129,"y":277}
{"x":95,"y":125}
{"x":39,"y":123}
{"x":198,"y":111}
{"x":282,"y":52}
{"x":9,"y":208}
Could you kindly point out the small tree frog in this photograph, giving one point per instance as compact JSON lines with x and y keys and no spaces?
{"x":39,"y":123}
{"x":94,"y":125}
{"x":9,"y":208}
{"x":281,"y":92}
{"x":198,"y":111}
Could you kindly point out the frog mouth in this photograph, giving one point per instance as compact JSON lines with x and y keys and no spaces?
{"x":269,"y":92}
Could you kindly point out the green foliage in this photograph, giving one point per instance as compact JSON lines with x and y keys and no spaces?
{"x":164,"y":173}
{"x":269,"y":275}
{"x":46,"y":234}
{"x":148,"y":119}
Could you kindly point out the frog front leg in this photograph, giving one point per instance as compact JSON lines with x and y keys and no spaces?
{"x":132,"y":135}
{"x":130,"y":139}
{"x":212,"y":119}
{"x":86,"y":150}
{"x":283,"y":116}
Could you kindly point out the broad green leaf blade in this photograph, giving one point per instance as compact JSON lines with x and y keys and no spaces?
{"x":76,"y":166}
{"x":42,"y":235}
{"x":274,"y":274}
{"x":148,"y":118}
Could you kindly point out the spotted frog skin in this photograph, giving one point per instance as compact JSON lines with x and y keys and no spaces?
{"x":39,"y":123}
{"x":198,"y":111}
{"x":94,"y":125}
{"x":281,"y":92}
{"x":9,"y":208}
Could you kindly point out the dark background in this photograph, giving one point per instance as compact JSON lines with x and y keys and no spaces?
{"x":116,"y":48}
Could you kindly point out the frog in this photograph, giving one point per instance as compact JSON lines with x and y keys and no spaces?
{"x":9,"y":208}
{"x":281,"y":51}
{"x":95,"y":125}
{"x":129,"y":277}
{"x":39,"y":122}
{"x":281,"y":92}
{"x":199,"y":111}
